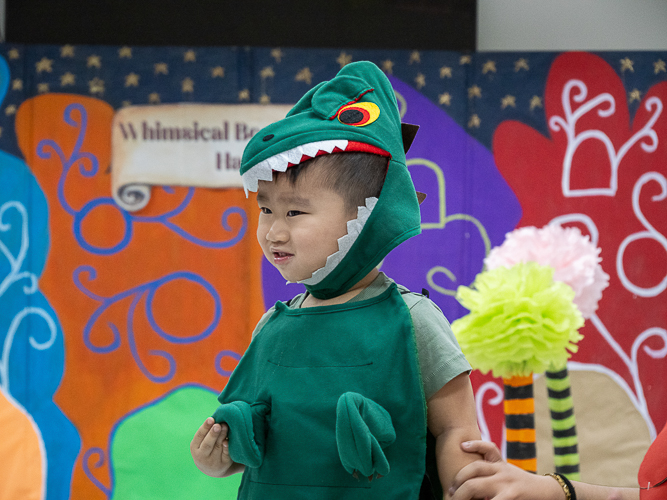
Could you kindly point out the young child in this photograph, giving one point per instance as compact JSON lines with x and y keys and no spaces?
{"x":341,"y":386}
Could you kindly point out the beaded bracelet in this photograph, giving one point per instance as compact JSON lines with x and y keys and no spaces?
{"x":565,"y":483}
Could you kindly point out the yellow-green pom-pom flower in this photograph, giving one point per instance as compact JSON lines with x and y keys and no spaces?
{"x":521,"y":321}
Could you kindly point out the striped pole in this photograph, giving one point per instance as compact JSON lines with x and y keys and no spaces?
{"x":563,"y":424}
{"x":520,"y":422}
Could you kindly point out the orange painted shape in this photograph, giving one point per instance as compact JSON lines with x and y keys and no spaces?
{"x":520,"y":435}
{"x":21,"y":471}
{"x":519,"y":381}
{"x":528,"y":464}
{"x":100,"y":388}
{"x":519,"y":406}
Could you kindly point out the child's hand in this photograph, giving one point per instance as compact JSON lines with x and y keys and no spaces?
{"x":210,"y":449}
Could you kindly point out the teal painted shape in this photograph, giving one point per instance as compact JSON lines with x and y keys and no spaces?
{"x":150,"y":451}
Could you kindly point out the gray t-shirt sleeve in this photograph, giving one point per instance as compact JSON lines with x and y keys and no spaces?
{"x":262,"y":321}
{"x":440,"y":357}
{"x":295,"y":302}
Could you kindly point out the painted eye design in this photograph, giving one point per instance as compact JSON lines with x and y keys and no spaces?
{"x":359,"y":114}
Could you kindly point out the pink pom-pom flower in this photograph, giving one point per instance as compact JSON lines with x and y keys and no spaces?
{"x":574,"y":258}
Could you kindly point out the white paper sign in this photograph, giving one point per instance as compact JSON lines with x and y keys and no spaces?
{"x":182,"y":145}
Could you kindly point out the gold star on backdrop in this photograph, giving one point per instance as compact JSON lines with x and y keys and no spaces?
{"x":420,"y":80}
{"x":659,"y":66}
{"x":44,"y":64}
{"x":344,"y":58}
{"x":474,"y":91}
{"x":125,"y":104}
{"x":154,"y":98}
{"x":267,"y":72}
{"x":67,"y":79}
{"x":187,"y":85}
{"x":94,"y":61}
{"x":161,"y":68}
{"x":1,"y":131}
{"x":627,"y":63}
{"x":265,"y":99}
{"x":96,"y":86}
{"x":508,"y":100}
{"x":17,"y":84}
{"x":635,"y":95}
{"x":474,"y":121}
{"x":445,"y":71}
{"x":218,"y":71}
{"x":13,"y":53}
{"x":67,"y":51}
{"x":244,"y":95}
{"x":42,"y":88}
{"x":415,"y":57}
{"x":125,"y":52}
{"x":445,"y":98}
{"x":304,"y":76}
{"x":10,"y":110}
{"x":520,"y":64}
{"x":277,"y":54}
{"x":388,"y":66}
{"x":489,"y":66}
{"x":132,"y":80}
{"x":190,"y":56}
{"x":535,"y":102}
{"x":465,"y":60}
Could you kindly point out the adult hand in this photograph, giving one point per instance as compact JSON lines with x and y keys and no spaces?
{"x":489,"y":451}
{"x":498,"y":480}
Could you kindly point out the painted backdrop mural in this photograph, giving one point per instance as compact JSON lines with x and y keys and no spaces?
{"x":119,"y":328}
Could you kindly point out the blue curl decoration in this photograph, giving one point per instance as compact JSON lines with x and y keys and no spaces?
{"x":146,"y":291}
{"x":81,"y":215}
{"x":218,"y":362}
{"x":99,"y":463}
{"x":89,"y":166}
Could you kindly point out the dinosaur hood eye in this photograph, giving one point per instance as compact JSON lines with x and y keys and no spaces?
{"x":359,"y":114}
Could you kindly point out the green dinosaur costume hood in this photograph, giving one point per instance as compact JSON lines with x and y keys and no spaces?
{"x":355,"y":111}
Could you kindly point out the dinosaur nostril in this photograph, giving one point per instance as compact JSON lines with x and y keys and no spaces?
{"x":268,"y":137}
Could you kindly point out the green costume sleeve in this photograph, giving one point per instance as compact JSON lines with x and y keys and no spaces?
{"x":247,"y":430}
{"x":363,"y":430}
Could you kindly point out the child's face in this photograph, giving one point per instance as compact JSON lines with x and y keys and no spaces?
{"x":299,"y":225}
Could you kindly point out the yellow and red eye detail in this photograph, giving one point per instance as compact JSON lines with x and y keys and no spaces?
{"x":359,"y":114}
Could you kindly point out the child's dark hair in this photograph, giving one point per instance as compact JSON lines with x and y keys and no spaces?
{"x":354,"y":176}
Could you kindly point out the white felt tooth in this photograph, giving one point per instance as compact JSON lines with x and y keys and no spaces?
{"x":314,"y":148}
{"x":294,"y":155}
{"x":363,"y":213}
{"x":309,"y":149}
{"x":371,"y":202}
{"x":329,"y":146}
{"x":264,"y":171}
{"x":249,"y":182}
{"x":280,"y":161}
{"x":277,"y":163}
{"x":342,"y":145}
{"x":354,"y":227}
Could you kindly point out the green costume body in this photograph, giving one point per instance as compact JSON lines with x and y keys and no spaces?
{"x":326,"y":398}
{"x":329,"y":404}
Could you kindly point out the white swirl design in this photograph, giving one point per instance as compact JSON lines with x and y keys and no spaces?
{"x":15,"y":274}
{"x":650,"y":233}
{"x":574,"y":140}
